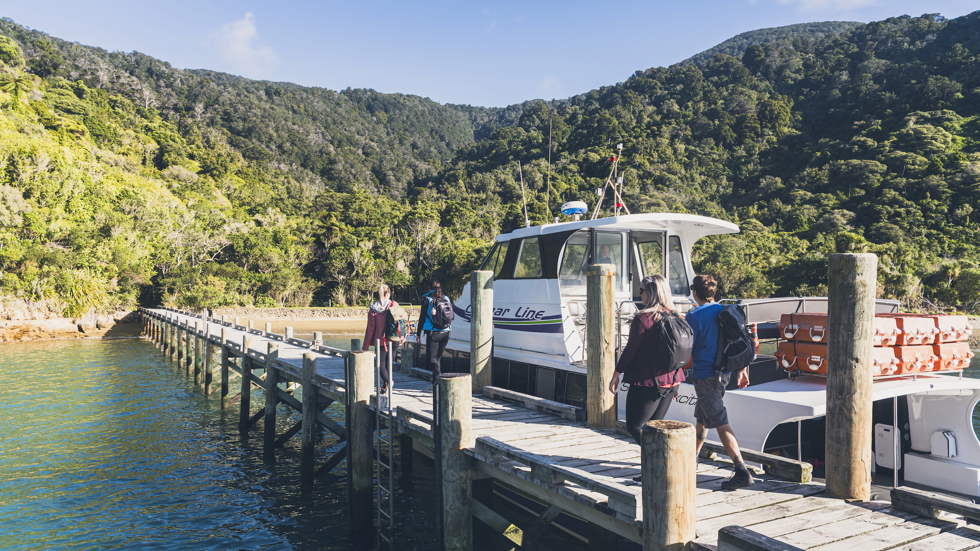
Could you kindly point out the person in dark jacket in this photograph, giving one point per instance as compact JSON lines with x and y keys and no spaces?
{"x":377,"y":320}
{"x":648,"y":396}
{"x":435,"y":339}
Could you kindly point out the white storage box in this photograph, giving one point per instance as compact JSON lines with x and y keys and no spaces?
{"x":942,"y":474}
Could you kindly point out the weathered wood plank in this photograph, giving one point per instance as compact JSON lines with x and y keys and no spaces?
{"x":737,"y":538}
{"x":961,"y":539}
{"x":929,"y":504}
{"x":901,"y":534}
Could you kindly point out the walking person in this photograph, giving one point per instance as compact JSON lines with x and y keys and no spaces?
{"x":378,"y":314}
{"x":650,"y":393}
{"x":434,"y":323}
{"x":709,"y":385}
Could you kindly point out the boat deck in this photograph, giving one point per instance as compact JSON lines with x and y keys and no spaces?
{"x":588,"y":472}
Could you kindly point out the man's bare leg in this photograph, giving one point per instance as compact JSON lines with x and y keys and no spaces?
{"x":700,"y":435}
{"x":728,"y":440}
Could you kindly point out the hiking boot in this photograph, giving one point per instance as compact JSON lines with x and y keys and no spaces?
{"x":740,"y":479}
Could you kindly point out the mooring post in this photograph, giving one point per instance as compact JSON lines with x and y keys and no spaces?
{"x":481,"y":327}
{"x":271,"y":395}
{"x":308,"y":427}
{"x":225,"y":366}
{"x":599,"y":351}
{"x":317,"y":339}
{"x":360,"y":445}
{"x":407,"y":357}
{"x":208,"y":360}
{"x":188,"y":347}
{"x":851,"y":289}
{"x":287,"y":333}
{"x":355,"y":345}
{"x":181,"y":343}
{"x":238,"y":322}
{"x":668,"y":465}
{"x":198,"y":357}
{"x":452,"y":413}
{"x":224,"y":319}
{"x":170,"y":339}
{"x":246,"y":395}
{"x":251,"y":326}
{"x":268,"y":328}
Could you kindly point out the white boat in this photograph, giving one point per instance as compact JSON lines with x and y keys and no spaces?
{"x":539,"y":348}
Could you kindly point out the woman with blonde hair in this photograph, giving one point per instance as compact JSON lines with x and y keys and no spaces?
{"x":649,"y":395}
{"x":377,"y":323}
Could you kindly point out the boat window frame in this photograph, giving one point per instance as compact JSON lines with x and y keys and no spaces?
{"x":624,"y":236}
{"x":520,"y":253}
{"x":688,"y":278}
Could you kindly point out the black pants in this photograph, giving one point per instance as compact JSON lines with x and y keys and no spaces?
{"x":643,"y":403}
{"x":435,"y":345}
{"x":383,"y":356}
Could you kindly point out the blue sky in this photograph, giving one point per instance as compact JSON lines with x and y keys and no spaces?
{"x":480,"y":53}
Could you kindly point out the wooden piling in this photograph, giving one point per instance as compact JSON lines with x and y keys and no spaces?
{"x":271,"y":395}
{"x":198,"y":367}
{"x":238,"y":322}
{"x":852,"y":285}
{"x":406,"y":453}
{"x":208,"y":360}
{"x":360,"y":445}
{"x":599,"y":347}
{"x":317,"y":339}
{"x":355,"y":345}
{"x":668,"y":465}
{"x":481,"y":327}
{"x":170,"y":339}
{"x":188,"y":347}
{"x":225,"y":366}
{"x":246,"y":395}
{"x":308,"y":430}
{"x":453,"y":417}
{"x":224,"y":319}
{"x":181,"y":343}
{"x":268,"y":328}
{"x":288,"y":333}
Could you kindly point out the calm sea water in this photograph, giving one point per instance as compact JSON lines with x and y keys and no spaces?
{"x":107,"y":445}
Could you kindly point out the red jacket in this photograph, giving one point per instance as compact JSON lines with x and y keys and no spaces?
{"x":376,"y":327}
{"x":640,"y":347}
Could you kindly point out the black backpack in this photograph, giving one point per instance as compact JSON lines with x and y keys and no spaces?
{"x":736,"y":348}
{"x":673,"y":348}
{"x":443,"y":317}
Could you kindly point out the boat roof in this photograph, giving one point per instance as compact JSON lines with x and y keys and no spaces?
{"x":692,"y":225}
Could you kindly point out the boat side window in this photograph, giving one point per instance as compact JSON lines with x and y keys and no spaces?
{"x":571,"y":276}
{"x":677,"y":272}
{"x":495,"y":260}
{"x":529,"y":259}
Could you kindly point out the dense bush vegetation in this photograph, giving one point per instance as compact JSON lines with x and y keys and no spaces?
{"x":124,"y":180}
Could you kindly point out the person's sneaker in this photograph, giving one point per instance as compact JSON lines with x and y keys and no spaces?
{"x":740,"y":479}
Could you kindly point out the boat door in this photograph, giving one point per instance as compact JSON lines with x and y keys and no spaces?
{"x":647,"y":257}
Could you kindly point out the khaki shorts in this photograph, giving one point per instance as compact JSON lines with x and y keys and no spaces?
{"x":710,"y":410}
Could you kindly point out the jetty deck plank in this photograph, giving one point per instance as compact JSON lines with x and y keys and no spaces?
{"x":589,"y":471}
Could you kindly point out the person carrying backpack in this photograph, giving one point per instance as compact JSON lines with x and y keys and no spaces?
{"x":435,"y":321}
{"x":709,"y":383}
{"x":653,"y":361}
{"x":379,"y":314}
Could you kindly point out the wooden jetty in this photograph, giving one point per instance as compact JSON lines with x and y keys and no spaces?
{"x":540,"y":448}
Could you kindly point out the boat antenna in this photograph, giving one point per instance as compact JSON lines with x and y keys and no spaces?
{"x":617,"y":187}
{"x":548,"y":200}
{"x":527,"y":223}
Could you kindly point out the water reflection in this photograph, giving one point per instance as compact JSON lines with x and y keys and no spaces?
{"x":106,"y":445}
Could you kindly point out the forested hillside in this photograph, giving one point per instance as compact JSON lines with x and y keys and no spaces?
{"x":124,"y":179}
